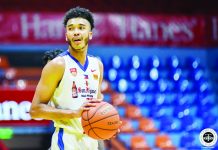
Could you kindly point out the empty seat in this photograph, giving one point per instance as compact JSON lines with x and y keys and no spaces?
{"x":153,"y":62}
{"x":116,"y":62}
{"x":163,"y":141}
{"x":170,"y":124}
{"x":191,"y":124}
{"x":183,"y":111}
{"x":141,"y":99}
{"x":139,"y":142}
{"x":161,"y":111}
{"x":192,"y":63}
{"x":4,"y":62}
{"x":133,"y":112}
{"x":172,"y":62}
{"x":190,"y":141}
{"x":128,"y":125}
{"x":135,"y":62}
{"x":145,"y":86}
{"x":147,"y":125}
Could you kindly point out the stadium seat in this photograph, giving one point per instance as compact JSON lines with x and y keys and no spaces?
{"x":129,"y":125}
{"x":161,"y":111}
{"x":175,"y":75}
{"x":186,"y":100}
{"x":206,"y":99}
{"x":112,"y":75}
{"x":141,"y":99}
{"x":135,"y":62}
{"x":154,"y":74}
{"x":125,"y":139}
{"x":133,"y":112}
{"x":133,"y":75}
{"x":192,"y":63}
{"x":184,"y":86}
{"x":4,"y":62}
{"x":147,"y":125}
{"x":145,"y":86}
{"x":191,"y":124}
{"x":153,"y":62}
{"x":116,"y":62}
{"x":124,"y":86}
{"x":172,"y":62}
{"x":170,"y":124}
{"x":190,"y":141}
{"x":139,"y":142}
{"x":163,"y":141}
{"x":183,"y":111}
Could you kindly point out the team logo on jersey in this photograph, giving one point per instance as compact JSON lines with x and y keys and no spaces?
{"x":73,"y":71}
{"x":86,"y":76}
{"x":95,"y":76}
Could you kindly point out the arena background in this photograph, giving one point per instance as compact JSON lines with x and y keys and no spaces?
{"x":161,"y":68}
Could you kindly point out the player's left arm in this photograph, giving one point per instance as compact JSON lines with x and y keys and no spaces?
{"x":101,"y":66}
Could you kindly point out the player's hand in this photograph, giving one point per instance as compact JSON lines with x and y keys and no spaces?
{"x":85,"y":107}
{"x":118,"y":131}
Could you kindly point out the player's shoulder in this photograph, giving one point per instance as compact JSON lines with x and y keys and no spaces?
{"x":56,"y":64}
{"x":94,"y":58}
{"x":97,"y":59}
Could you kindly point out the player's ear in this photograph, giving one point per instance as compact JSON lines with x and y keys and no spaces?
{"x":90,"y":35}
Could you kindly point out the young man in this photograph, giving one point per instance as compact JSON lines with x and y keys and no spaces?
{"x":71,"y":83}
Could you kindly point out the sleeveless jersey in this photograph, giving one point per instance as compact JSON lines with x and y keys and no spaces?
{"x":79,"y":83}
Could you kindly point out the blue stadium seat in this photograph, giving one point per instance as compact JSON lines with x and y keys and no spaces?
{"x":192,"y":63}
{"x":170,"y":124}
{"x":184,"y":86}
{"x":125,"y":138}
{"x":172,"y":62}
{"x":153,"y":62}
{"x":191,"y":124}
{"x":133,"y":75}
{"x":161,"y":111}
{"x":164,"y":99}
{"x":206,"y":111}
{"x":190,"y":141}
{"x":145,"y":86}
{"x":124,"y":86}
{"x":141,"y":99}
{"x":116,"y":62}
{"x":184,"y":111}
{"x":154,"y":74}
{"x":197,"y":75}
{"x":135,"y":62}
{"x":187,"y":99}
{"x":175,"y":74}
{"x":206,"y":99}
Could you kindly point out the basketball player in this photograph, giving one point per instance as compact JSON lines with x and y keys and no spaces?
{"x":48,"y":56}
{"x":71,"y":83}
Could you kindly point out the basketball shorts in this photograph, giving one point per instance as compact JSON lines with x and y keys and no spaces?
{"x":63,"y":140}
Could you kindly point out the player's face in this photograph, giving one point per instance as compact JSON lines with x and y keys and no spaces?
{"x":78,"y":33}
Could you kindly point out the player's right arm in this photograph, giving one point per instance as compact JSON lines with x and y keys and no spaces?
{"x":51,"y":75}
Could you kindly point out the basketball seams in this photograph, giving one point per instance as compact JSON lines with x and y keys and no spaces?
{"x":94,"y":128}
{"x":92,"y":114}
{"x":96,"y":111}
{"x":100,"y":119}
{"x":91,"y":118}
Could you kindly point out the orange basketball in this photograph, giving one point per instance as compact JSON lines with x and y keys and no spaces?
{"x":101,"y":122}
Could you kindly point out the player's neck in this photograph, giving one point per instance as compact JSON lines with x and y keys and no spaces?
{"x":79,"y":55}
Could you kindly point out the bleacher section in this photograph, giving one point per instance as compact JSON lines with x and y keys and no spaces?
{"x":164,"y":101}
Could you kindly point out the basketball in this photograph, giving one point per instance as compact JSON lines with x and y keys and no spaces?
{"x":101,"y":122}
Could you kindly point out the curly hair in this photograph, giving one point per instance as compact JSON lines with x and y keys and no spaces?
{"x":79,"y":12}
{"x":50,"y":54}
